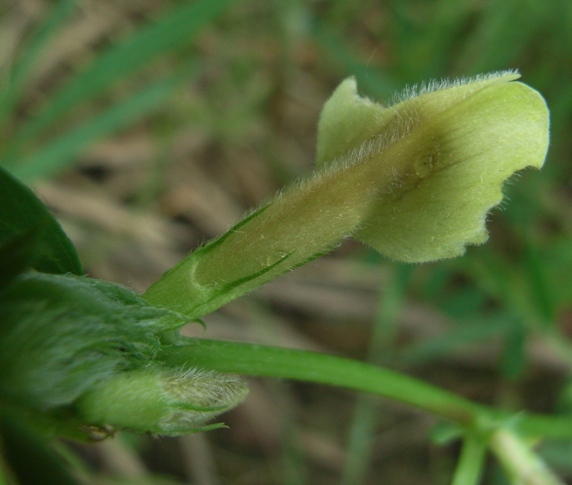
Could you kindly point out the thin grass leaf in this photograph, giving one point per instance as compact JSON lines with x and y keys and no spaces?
{"x":24,"y":64}
{"x":475,"y":331}
{"x":60,"y":153}
{"x":366,"y":412}
{"x":471,"y":462}
{"x":422,"y":45}
{"x":507,"y":27}
{"x":513,"y":360}
{"x":374,"y":81}
{"x":178,"y":27}
{"x":535,"y":273}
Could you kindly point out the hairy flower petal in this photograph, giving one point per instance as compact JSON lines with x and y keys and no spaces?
{"x":450,"y":148}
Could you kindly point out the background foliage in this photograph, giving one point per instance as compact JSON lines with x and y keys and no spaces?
{"x":148,"y":127}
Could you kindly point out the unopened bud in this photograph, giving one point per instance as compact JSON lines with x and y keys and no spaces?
{"x":161,"y":401}
{"x":414,"y":180}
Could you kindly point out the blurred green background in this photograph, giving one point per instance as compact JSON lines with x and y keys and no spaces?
{"x":149,"y":127}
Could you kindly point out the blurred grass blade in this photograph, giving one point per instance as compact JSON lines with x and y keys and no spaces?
{"x":60,"y":153}
{"x":420,"y":46}
{"x":382,"y":340}
{"x":537,"y":278}
{"x":475,"y":330}
{"x":513,"y":359}
{"x":177,"y":27}
{"x":25,"y":62}
{"x":372,"y":80}
{"x":20,"y":211}
{"x":497,"y":28}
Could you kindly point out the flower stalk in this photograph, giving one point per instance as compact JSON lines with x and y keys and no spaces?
{"x":260,"y":360}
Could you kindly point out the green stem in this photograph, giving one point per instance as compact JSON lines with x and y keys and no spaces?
{"x":521,"y":464}
{"x":260,"y":360}
{"x":470,"y":467}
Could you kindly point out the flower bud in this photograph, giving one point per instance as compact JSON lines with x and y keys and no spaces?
{"x":161,"y":401}
{"x":414,"y":180}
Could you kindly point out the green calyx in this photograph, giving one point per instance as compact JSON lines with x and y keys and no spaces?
{"x":162,"y":401}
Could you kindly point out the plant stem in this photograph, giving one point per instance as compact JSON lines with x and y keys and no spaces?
{"x":522,"y":465}
{"x":260,"y":360}
{"x":470,"y":466}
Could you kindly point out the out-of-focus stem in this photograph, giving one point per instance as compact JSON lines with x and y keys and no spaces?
{"x":522,"y":465}
{"x":470,"y":466}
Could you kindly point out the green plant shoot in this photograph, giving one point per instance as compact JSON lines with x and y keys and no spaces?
{"x":414,"y":180}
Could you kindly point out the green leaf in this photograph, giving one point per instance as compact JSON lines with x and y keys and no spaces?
{"x":62,"y":334}
{"x":29,"y":457}
{"x":75,"y":350}
{"x":20,"y":212}
{"x":16,"y":254}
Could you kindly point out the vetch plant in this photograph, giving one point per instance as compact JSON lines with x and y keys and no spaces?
{"x":415,"y":180}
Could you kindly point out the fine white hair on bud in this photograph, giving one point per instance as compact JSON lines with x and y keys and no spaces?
{"x":431,"y":86}
{"x":161,"y":401}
